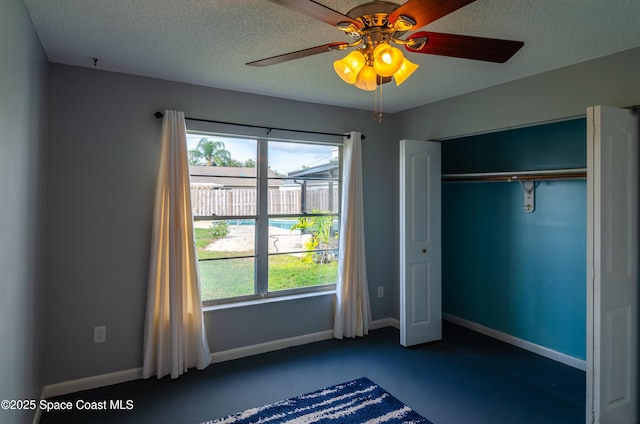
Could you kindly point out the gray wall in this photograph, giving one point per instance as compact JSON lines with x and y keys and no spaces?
{"x":560,"y":94}
{"x":104,"y":147}
{"x":22,"y":90}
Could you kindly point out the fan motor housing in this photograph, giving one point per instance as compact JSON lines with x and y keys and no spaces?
{"x":373,"y":14}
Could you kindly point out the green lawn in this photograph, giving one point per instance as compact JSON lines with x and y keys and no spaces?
{"x":235,"y":277}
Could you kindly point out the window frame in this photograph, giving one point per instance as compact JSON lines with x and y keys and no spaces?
{"x":261,"y":242}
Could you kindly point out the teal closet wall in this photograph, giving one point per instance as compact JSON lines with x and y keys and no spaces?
{"x":523,"y":274}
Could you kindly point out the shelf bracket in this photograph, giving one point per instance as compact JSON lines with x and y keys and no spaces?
{"x":529,"y":188}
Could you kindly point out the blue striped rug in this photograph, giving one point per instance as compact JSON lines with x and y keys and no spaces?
{"x":357,"y":401}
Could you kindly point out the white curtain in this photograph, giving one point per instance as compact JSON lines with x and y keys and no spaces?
{"x":174,"y":337}
{"x":353,"y":313}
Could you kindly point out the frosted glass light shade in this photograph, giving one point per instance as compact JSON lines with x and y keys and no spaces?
{"x":367,"y":79}
{"x":348,"y":67}
{"x":405,"y":70}
{"x":387,"y":60}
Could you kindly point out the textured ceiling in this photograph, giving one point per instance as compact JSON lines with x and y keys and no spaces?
{"x":208,"y":42}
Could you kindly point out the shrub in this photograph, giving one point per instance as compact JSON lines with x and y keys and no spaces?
{"x":320,"y":229}
{"x":219,"y":229}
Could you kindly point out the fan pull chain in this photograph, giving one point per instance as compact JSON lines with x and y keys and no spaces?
{"x":375,"y":103}
{"x":377,"y":111}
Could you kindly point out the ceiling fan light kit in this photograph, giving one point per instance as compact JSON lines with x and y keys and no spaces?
{"x":378,"y":60}
{"x":373,"y":26}
{"x":366,"y":69}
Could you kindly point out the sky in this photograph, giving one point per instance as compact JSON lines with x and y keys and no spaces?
{"x":281,"y":158}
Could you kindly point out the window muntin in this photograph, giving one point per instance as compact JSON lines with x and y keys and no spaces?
{"x":266,"y":232}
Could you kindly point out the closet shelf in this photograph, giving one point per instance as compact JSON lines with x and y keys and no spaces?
{"x":551,"y":174}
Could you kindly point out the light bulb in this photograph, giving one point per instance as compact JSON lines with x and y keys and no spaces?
{"x":386,"y":59}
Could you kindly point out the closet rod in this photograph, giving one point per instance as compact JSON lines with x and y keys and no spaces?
{"x":556,"y":174}
{"x":159,"y":115}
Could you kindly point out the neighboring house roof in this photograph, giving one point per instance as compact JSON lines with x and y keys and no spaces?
{"x":227,"y":176}
{"x":313,"y":176}
{"x":326,"y":170}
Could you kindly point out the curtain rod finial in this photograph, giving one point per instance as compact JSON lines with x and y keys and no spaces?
{"x":362,"y":137}
{"x":158,"y":115}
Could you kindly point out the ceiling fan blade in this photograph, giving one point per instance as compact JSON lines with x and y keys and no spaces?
{"x":426,"y":11}
{"x":317,"y":11}
{"x":466,"y":47}
{"x":298,"y":54}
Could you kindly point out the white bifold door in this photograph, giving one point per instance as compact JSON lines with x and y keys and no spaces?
{"x":612,"y":266}
{"x":420,"y":255}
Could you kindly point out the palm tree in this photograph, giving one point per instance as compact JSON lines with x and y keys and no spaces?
{"x":211,"y":153}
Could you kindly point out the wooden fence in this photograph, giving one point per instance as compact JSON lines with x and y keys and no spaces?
{"x":208,"y":201}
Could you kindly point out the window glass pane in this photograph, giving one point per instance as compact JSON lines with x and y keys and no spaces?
{"x":223,"y":175}
{"x":225,"y":239}
{"x":226,"y":278}
{"x":308,"y":177}
{"x":292,"y":272}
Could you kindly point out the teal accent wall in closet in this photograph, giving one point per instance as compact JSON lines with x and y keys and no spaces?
{"x":523,"y":274}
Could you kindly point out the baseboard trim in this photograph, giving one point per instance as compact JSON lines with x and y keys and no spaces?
{"x":88,"y":383}
{"x":38,"y":414}
{"x":274,"y":345}
{"x":385,"y":322}
{"x":523,"y":344}
{"x":257,"y":349}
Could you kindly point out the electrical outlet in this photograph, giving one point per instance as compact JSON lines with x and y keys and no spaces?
{"x":100,"y":334}
{"x":380,"y":291}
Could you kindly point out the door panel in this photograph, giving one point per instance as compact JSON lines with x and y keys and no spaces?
{"x":612,"y":274}
{"x":420,"y":256}
{"x":419,"y":294}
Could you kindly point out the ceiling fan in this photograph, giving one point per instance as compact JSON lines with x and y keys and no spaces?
{"x":374,"y":26}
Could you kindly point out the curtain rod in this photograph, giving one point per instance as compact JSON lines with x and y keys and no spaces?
{"x":159,"y":115}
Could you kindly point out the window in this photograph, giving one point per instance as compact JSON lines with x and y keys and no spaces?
{"x":264,"y":231}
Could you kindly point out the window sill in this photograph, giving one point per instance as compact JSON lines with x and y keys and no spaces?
{"x":264,"y":300}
